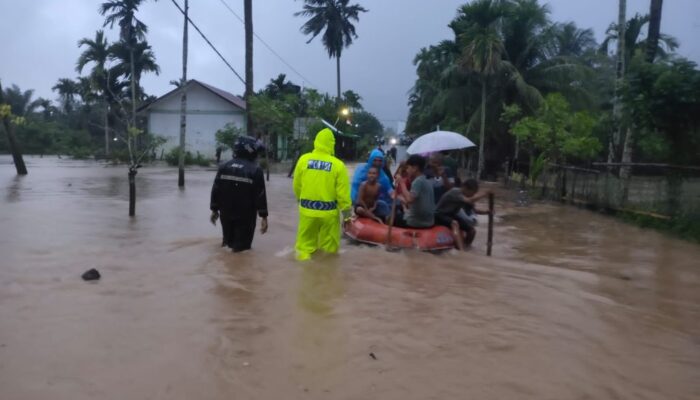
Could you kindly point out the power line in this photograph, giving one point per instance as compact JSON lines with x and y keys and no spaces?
{"x":208,"y":42}
{"x":267,"y":45}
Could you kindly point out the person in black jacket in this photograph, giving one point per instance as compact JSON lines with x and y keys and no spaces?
{"x":238,"y":194}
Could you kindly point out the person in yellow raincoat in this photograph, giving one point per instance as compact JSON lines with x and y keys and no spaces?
{"x":322,"y":188}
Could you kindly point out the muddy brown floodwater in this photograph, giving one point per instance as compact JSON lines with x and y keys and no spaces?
{"x":573,"y":305}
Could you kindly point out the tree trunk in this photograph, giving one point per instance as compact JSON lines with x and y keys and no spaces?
{"x":132,"y":191}
{"x":106,"y":128}
{"x":626,"y":158}
{"x":248,"y":17}
{"x":133,"y":95}
{"x":482,"y":130}
{"x":620,"y":78}
{"x":654,"y":29}
{"x":14,"y":147}
{"x":337,"y":67}
{"x":183,"y":104}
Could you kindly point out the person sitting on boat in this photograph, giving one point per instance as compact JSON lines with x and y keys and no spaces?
{"x":456,"y":210}
{"x":402,"y":176}
{"x":376,"y":159}
{"x":419,"y":202}
{"x":441,"y":177}
{"x":366,"y":205}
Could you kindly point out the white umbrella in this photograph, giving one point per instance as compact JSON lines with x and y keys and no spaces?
{"x":439,"y":141}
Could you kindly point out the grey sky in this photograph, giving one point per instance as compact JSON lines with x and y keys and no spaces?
{"x":40,"y":42}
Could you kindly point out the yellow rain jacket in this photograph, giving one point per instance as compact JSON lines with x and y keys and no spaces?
{"x":322,"y":187}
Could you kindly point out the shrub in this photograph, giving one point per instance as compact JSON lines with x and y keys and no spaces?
{"x":172,"y":158}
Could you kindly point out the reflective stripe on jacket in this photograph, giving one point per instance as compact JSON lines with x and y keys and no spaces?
{"x":321,"y":182}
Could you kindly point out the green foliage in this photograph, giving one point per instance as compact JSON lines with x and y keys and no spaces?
{"x":521,"y":55}
{"x":274,"y":115}
{"x":173,"y":156}
{"x":663,"y":101}
{"x":365,"y":124}
{"x":685,"y":227}
{"x":226,"y":136}
{"x":557,"y":132}
{"x":537,"y":167}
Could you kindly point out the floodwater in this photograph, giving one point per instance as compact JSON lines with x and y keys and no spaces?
{"x":573,"y":305}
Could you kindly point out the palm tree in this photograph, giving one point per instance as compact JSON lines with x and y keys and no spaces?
{"x":143,"y":57}
{"x":652,"y":45}
{"x":67,"y":90}
{"x":333,"y":16}
{"x":20,"y":102}
{"x":280,"y":86}
{"x":131,"y":30}
{"x":352,"y":100}
{"x":482,"y":49}
{"x":183,"y":102}
{"x":97,"y":52}
{"x":47,"y":107}
{"x":6,"y":116}
{"x":570,"y":41}
{"x":654,"y":29}
{"x":634,"y":41}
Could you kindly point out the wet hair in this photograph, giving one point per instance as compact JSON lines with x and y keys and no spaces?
{"x":417,"y":161}
{"x":471,"y":185}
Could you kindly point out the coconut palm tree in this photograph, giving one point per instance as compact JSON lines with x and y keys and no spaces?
{"x":143,"y":57}
{"x":97,"y":52}
{"x":131,"y":30}
{"x":570,"y":41}
{"x":654,"y":29}
{"x":67,"y":90}
{"x":333,"y":18}
{"x":20,"y":101}
{"x":6,"y":116}
{"x":482,"y":49}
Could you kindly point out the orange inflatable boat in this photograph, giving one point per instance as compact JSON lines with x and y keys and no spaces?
{"x":369,"y":231}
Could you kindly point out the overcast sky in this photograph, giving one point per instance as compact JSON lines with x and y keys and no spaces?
{"x":39,"y":42}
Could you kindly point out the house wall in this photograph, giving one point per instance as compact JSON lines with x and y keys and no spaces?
{"x":206,"y":113}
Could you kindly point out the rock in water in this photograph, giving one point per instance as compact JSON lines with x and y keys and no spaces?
{"x":91,"y":275}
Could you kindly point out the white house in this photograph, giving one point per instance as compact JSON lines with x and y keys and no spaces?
{"x":208,"y":110}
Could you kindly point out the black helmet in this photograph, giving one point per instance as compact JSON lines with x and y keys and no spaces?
{"x":246,"y":147}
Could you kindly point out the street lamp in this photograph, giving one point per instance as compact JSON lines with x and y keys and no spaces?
{"x":344,"y":112}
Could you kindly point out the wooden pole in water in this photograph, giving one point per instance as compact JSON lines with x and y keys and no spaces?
{"x":489,"y":243}
{"x":387,"y":246}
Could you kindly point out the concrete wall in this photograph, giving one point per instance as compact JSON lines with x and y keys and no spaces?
{"x":206,"y":113}
{"x":671,"y":194}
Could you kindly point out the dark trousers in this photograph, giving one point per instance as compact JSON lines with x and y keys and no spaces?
{"x":238,"y":233}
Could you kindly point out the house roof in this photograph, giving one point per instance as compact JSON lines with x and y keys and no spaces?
{"x":228,"y":97}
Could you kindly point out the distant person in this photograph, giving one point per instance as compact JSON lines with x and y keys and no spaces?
{"x":368,"y":197}
{"x":393,"y":151}
{"x":322,"y":187}
{"x":238,"y":194}
{"x":218,"y":154}
{"x":441,"y":177}
{"x":376,"y":159}
{"x":419,"y":202}
{"x":456,"y":210}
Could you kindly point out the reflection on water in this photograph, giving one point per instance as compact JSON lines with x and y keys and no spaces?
{"x":574,"y":305}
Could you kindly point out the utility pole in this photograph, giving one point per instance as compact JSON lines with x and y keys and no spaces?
{"x":183,"y":104}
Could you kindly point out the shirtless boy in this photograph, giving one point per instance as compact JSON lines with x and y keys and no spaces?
{"x":368,"y":196}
